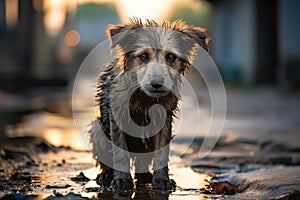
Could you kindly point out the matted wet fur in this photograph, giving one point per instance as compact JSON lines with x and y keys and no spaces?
{"x":150,"y":57}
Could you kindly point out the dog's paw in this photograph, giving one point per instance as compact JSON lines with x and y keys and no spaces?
{"x":164,"y":184}
{"x":121,"y":184}
{"x":104,"y":179}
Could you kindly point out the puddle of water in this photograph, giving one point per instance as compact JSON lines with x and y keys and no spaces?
{"x":68,"y":138}
{"x":215,"y":169}
{"x":188,"y":182}
{"x":61,"y":132}
{"x":55,"y":170}
{"x":57,"y":130}
{"x":186,"y":178}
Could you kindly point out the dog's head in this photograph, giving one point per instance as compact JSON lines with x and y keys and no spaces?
{"x":157,"y":54}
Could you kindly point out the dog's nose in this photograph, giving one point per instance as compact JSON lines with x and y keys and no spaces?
{"x":157,"y":81}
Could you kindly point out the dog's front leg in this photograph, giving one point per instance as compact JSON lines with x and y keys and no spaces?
{"x":121,"y":160}
{"x":161,"y":180}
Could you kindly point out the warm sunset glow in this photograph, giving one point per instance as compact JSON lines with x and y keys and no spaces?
{"x":72,"y":38}
{"x":187,"y":178}
{"x":11,"y":14}
{"x":56,"y":10}
{"x":154,"y":9}
{"x":55,"y":14}
{"x":60,"y":137}
{"x":54,"y":136}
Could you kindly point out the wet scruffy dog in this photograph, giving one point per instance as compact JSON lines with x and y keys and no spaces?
{"x":149,"y":60}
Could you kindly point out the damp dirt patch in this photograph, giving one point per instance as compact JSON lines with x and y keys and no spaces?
{"x":39,"y":170}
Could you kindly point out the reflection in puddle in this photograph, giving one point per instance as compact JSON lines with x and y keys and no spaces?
{"x":215,"y":169}
{"x":68,"y":138}
{"x":57,"y":167}
{"x":188,"y":182}
{"x":186,"y":178}
{"x":57,"y":130}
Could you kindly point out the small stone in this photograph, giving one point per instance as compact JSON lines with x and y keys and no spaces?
{"x":223,"y":187}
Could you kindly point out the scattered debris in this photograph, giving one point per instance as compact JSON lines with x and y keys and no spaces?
{"x":18,"y":196}
{"x":45,"y":147}
{"x":57,"y":186}
{"x":70,"y":195}
{"x":80,"y":178}
{"x":223,"y":187}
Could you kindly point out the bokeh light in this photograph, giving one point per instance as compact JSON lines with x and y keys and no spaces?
{"x":72,"y":38}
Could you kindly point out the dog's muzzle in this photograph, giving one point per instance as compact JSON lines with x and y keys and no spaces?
{"x":156,"y":87}
{"x":157,"y":81}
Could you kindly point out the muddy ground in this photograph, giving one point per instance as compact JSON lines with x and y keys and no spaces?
{"x":256,"y":157}
{"x":253,"y":170}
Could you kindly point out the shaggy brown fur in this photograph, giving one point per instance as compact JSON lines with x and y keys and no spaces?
{"x":149,"y":62}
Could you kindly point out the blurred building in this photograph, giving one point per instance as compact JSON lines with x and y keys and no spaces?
{"x":253,"y":42}
{"x":257,"y":42}
{"x":43,"y":42}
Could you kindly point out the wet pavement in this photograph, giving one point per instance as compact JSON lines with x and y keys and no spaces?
{"x":41,"y":170}
{"x":256,"y":157}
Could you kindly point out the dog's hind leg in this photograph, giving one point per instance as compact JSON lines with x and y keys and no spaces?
{"x":102,"y":152}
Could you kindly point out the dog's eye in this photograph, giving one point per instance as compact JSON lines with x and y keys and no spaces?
{"x":170,"y":58}
{"x":144,"y":58}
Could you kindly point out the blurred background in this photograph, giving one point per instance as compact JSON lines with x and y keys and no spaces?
{"x":255,"y":45}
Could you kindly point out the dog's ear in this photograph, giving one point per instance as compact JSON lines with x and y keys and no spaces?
{"x":117,"y":34}
{"x":199,"y":35}
{"x":113,"y":29}
{"x":112,"y":32}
